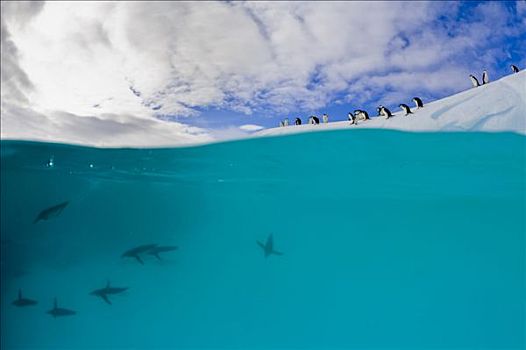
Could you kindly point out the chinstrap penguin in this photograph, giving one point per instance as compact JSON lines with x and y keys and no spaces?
{"x":474,"y":80}
{"x":418,"y":102}
{"x":406,"y":108}
{"x":485,"y":77}
{"x":385,"y":112}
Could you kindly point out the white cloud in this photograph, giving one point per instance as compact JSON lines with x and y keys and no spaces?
{"x":251,"y":127}
{"x":107,"y":130}
{"x":126,"y":62}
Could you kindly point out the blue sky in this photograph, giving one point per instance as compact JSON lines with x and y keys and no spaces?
{"x":510,"y":49}
{"x":178,"y":72}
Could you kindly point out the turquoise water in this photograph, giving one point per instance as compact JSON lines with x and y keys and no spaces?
{"x":390,"y":240}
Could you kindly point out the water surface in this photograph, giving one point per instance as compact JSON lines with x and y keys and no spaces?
{"x":390,"y":240}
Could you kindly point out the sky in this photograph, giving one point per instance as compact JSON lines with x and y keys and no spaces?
{"x":169,"y":73}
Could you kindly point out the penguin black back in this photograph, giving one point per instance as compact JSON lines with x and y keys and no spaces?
{"x":418,"y":102}
{"x":405,"y":108}
{"x":474,"y":80}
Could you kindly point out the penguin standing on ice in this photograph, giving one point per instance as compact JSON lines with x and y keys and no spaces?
{"x":418,"y":102}
{"x":314,"y":120}
{"x":351,"y":118}
{"x":325,"y":118}
{"x":281,"y":123}
{"x":485,"y":78}
{"x":379,"y":110}
{"x":514,"y":68}
{"x":474,"y":80}
{"x":406,"y":108}
{"x":385,"y":112}
{"x":286,"y":122}
{"x":297,"y":121}
{"x":361,"y":115}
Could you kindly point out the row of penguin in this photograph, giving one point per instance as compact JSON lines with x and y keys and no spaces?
{"x":360,"y":115}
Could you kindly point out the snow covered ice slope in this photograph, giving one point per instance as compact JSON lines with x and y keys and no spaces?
{"x":497,"y":106}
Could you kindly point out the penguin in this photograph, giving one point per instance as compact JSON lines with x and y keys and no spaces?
{"x":297,"y":121}
{"x":406,"y":108}
{"x":286,"y":122}
{"x":361,"y":115}
{"x":385,"y":112}
{"x":485,"y":78}
{"x":281,"y":123}
{"x":474,"y":80}
{"x":418,"y":102}
{"x":514,"y":68}
{"x":379,"y":110}
{"x":358,"y":115}
{"x":325,"y":118}
{"x":352,"y":119}
{"x":315,"y":120}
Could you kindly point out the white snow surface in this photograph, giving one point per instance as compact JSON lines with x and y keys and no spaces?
{"x":497,"y":106}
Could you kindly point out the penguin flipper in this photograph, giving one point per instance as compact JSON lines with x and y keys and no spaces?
{"x":139,"y":259}
{"x":260,"y":244}
{"x":105,"y":298}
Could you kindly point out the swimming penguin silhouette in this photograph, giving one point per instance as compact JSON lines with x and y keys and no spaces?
{"x":51,"y":212}
{"x":268,"y":247}
{"x":60,"y":311}
{"x":21,"y":301}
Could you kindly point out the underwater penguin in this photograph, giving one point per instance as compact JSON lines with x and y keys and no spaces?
{"x":514,"y":68}
{"x":21,"y":301}
{"x":59,"y":311}
{"x":108,"y":290}
{"x":418,"y":102}
{"x":385,"y":112}
{"x":474,"y":80}
{"x":51,"y":212}
{"x":268,"y":247}
{"x":161,"y":249}
{"x":325,"y":118}
{"x":297,"y":121}
{"x":485,"y":78}
{"x":406,"y":108}
{"x":135,"y":252}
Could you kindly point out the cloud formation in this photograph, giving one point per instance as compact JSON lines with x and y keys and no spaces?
{"x":71,"y":69}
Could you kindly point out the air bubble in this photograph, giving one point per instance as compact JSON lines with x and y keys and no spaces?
{"x":51,"y":162}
